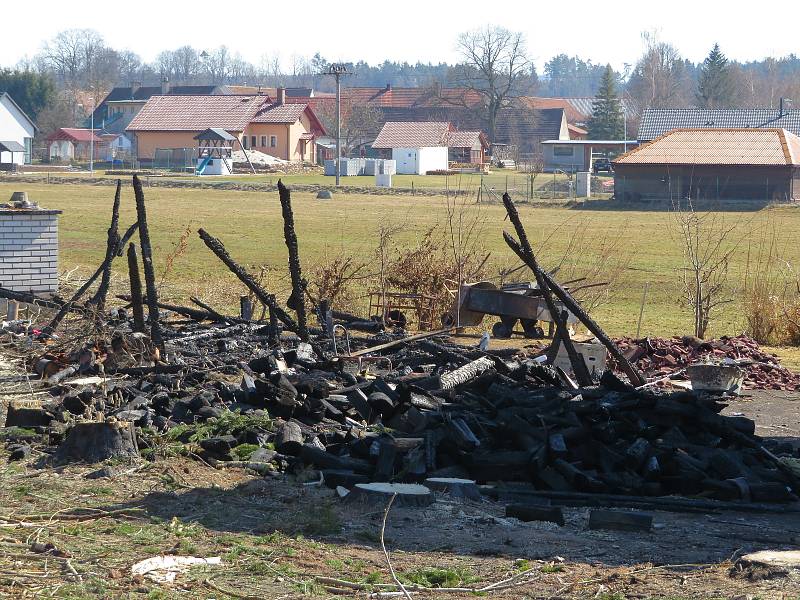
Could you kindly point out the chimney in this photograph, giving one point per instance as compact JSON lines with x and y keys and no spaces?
{"x":388,"y":87}
{"x":281,"y":95}
{"x":135,"y":85}
{"x":786,"y":105}
{"x":164,"y":85}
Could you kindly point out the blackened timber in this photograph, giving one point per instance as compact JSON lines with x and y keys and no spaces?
{"x":298,"y":285}
{"x":267,"y":299}
{"x":112,"y":245}
{"x":572,"y":305}
{"x":29,"y":298}
{"x":577,"y":362}
{"x":147,"y":262}
{"x":136,"y":289}
{"x":216,"y":315}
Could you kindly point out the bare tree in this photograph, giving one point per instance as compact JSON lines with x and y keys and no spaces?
{"x":708,"y":245}
{"x":659,"y":79}
{"x":495,"y":65}
{"x":360,"y":123}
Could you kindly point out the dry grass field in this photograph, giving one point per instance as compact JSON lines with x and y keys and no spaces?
{"x":630,"y":247}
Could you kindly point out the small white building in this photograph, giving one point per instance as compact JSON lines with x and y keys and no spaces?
{"x":16,"y":133}
{"x":417,"y":147}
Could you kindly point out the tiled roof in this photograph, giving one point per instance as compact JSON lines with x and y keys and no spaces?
{"x":578,"y":109}
{"x":466,"y":139}
{"x":413,"y":134}
{"x":196,"y":113}
{"x":657,"y":121}
{"x":742,"y":146}
{"x":146,"y":92}
{"x":279,"y":113}
{"x":73,"y":134}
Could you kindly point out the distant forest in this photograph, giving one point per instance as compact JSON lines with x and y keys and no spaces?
{"x":78,"y":64}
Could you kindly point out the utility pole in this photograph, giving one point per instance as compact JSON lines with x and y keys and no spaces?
{"x":91,"y":139}
{"x":337,"y":70}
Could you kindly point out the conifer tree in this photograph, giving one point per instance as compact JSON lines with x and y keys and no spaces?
{"x":714,"y":82}
{"x":606,"y":122}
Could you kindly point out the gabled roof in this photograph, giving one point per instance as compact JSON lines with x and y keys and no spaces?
{"x":196,"y":113}
{"x":11,"y":146}
{"x":215,"y":134}
{"x":7,"y":96}
{"x":413,"y":134}
{"x":730,"y":146}
{"x":467,"y":139}
{"x":288,"y":113}
{"x":657,"y":121}
{"x":146,"y":92}
{"x":75,"y":135}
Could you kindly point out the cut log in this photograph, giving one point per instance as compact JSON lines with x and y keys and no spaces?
{"x":346,"y":479}
{"x":407,"y":494}
{"x":327,"y":460}
{"x":387,"y":455}
{"x":466,"y":373}
{"x":455,"y":487}
{"x":26,"y":417}
{"x":619,"y":520}
{"x":289,"y":439}
{"x":96,"y":441}
{"x":528,"y":512}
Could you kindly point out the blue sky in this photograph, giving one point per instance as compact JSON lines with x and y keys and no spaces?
{"x":412,"y":30}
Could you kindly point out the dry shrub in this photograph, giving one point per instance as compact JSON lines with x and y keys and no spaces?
{"x":771,"y":290}
{"x":337,"y":279}
{"x":179,"y":248}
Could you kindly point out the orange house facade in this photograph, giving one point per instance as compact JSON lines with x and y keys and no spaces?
{"x":285,"y":131}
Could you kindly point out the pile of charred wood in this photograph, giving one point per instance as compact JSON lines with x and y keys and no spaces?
{"x":282,"y":395}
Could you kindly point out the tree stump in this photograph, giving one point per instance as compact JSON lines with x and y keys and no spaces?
{"x":408,"y":494}
{"x":96,"y":441}
{"x":456,"y":487}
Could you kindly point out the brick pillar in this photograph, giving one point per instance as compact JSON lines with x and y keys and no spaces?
{"x":29,"y":250}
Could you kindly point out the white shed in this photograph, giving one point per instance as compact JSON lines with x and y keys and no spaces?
{"x":16,"y":132}
{"x":417,"y":146}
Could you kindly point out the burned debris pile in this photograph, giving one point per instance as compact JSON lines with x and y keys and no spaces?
{"x":282,"y":395}
{"x":660,"y":357}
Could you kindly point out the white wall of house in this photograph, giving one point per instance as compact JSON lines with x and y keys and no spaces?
{"x":418,"y":161}
{"x":14,"y":127}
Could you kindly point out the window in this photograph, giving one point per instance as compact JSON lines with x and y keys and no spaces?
{"x":562,"y":150}
{"x":273,"y":141}
{"x":253,"y":142}
{"x":263,"y":141}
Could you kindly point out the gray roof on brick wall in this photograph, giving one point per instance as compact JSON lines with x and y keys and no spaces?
{"x":658,"y":121}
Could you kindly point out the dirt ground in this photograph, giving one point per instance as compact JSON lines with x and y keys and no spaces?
{"x":65,"y":535}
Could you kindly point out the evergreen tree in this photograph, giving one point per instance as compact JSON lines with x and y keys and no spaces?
{"x":606,"y":122}
{"x":31,"y":91}
{"x":715,"y":87}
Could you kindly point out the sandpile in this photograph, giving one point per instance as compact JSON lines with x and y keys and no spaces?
{"x":259,"y":159}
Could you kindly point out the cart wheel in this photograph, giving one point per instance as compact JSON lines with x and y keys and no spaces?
{"x":500,"y":330}
{"x":532,"y":329}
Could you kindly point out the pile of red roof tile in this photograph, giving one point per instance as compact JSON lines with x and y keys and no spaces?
{"x":661,"y":357}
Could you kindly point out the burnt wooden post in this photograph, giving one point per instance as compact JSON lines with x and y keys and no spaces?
{"x":298,"y":285}
{"x":245,"y":308}
{"x":267,"y":299}
{"x":112,"y":246}
{"x":578,"y":365}
{"x":136,"y":289}
{"x":147,"y":262}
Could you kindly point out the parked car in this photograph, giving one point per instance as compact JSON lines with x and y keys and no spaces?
{"x":602,"y":165}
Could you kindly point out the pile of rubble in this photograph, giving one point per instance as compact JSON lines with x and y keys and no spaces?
{"x":281,"y":395}
{"x":661,"y":357}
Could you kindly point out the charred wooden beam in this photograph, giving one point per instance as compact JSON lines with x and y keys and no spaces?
{"x":136,"y":289}
{"x":147,"y":262}
{"x":298,"y":285}
{"x":575,"y":308}
{"x":527,"y":256}
{"x":29,"y":298}
{"x":267,"y":299}
{"x":112,"y":245}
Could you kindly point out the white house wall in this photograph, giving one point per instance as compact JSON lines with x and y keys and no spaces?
{"x":14,"y":127}
{"x":433,"y":159}
{"x":418,"y":161}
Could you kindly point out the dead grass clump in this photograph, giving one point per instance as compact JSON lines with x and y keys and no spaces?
{"x":337,"y":279}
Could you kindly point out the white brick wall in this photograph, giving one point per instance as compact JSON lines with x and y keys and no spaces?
{"x":29,"y":250}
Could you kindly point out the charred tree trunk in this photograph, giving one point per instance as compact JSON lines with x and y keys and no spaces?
{"x":147,"y":261}
{"x":136,"y":289}
{"x":298,"y":302}
{"x":268,"y":299}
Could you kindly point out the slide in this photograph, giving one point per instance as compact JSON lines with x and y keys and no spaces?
{"x":202,"y":166}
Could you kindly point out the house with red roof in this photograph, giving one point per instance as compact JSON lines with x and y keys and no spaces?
{"x":71,"y":143}
{"x":278,"y":128}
